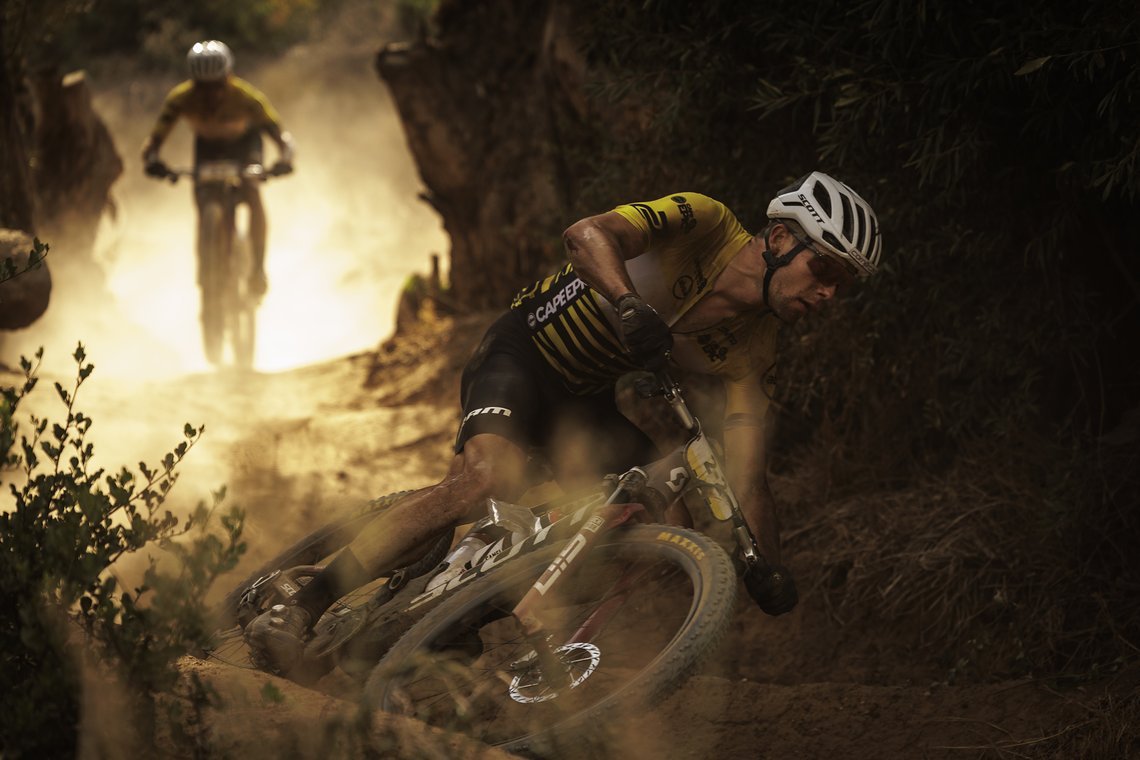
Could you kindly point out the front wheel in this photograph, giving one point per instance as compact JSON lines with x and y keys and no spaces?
{"x":214,"y":233}
{"x":241,"y":309}
{"x":629,"y":626}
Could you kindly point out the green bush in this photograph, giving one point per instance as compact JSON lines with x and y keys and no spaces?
{"x":61,"y":607}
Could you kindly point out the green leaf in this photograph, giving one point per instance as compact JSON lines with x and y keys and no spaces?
{"x":1030,"y":66}
{"x":271,"y":693}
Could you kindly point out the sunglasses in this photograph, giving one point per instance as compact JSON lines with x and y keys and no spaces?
{"x":828,"y":269}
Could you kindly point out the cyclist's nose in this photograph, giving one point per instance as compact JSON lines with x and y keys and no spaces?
{"x":826,"y":291}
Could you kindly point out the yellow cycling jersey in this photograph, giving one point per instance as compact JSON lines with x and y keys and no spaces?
{"x":690,"y":240}
{"x":228,"y":114}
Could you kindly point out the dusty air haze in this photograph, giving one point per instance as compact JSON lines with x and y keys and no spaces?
{"x":345,"y":231}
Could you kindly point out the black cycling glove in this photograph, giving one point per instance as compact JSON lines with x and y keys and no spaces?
{"x":156,"y":168}
{"x":645,"y":334}
{"x":774,"y":591}
{"x":281,"y":168}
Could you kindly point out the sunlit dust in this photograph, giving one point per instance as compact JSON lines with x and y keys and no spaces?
{"x":345,"y":230}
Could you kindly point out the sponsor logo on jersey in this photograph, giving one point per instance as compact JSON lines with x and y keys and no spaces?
{"x":682,"y":287}
{"x":714,"y":348}
{"x":655,"y":219}
{"x":688,"y":218}
{"x":558,"y":301}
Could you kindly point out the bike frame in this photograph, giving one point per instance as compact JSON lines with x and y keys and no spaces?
{"x":217,"y":183}
{"x":693,"y":468}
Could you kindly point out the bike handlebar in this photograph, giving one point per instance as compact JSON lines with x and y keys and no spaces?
{"x":223,"y":171}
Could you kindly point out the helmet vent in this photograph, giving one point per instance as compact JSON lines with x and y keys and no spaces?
{"x":862,"y":226}
{"x":822,"y":197}
{"x":848,"y":217}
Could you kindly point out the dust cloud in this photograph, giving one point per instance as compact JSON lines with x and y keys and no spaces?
{"x":345,"y":230}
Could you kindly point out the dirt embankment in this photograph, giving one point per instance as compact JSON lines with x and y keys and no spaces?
{"x":297,"y":446}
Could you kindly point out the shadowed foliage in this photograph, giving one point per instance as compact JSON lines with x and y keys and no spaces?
{"x":999,"y":145}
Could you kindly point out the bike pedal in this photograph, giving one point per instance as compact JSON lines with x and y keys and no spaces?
{"x":276,"y":588}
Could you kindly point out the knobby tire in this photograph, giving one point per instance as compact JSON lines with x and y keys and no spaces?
{"x":451,"y":669}
{"x":212,"y":246}
{"x":241,"y":308}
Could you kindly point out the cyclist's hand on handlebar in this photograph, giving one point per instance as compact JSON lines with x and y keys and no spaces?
{"x":157,"y":168}
{"x":281,"y":168}
{"x":645,"y":334}
{"x":774,"y":591}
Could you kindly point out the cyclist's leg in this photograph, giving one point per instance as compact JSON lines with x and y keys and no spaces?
{"x":250,"y":145}
{"x":591,"y":438}
{"x":209,"y":241}
{"x":490,"y":460}
{"x":500,"y":401}
{"x":258,"y":232}
{"x":488,"y":466}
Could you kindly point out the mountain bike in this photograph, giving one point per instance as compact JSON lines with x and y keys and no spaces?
{"x":228,"y":308}
{"x":574,"y":608}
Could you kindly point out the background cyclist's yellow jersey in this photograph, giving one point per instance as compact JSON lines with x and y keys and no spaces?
{"x":238,"y":108}
{"x":690,"y":240}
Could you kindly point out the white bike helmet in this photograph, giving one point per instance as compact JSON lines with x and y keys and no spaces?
{"x":209,"y":61}
{"x":834,"y":216}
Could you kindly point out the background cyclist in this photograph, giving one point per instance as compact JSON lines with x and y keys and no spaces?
{"x":676,"y":280}
{"x":228,"y":116}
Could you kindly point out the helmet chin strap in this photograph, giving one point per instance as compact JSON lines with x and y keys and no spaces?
{"x":773,"y":262}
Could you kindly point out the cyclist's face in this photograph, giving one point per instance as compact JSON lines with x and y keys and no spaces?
{"x":808,"y":283}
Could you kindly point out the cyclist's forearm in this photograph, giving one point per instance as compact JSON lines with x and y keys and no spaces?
{"x":598,"y":247}
{"x":151,"y":147}
{"x":285,"y":144}
{"x":748,"y":475}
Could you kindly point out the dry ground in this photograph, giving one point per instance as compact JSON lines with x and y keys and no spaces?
{"x":295,"y":447}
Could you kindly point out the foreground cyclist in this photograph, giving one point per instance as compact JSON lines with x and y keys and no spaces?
{"x":674,"y":280}
{"x":228,"y":116}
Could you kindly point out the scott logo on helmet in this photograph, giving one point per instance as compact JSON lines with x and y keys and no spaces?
{"x":810,"y":208}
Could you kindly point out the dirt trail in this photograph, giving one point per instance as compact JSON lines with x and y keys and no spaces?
{"x":296,"y":446}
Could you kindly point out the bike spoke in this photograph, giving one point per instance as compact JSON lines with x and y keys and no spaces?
{"x":483,"y":676}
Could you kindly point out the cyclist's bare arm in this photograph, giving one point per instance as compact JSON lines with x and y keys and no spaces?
{"x":283,"y":139}
{"x":598,"y":247}
{"x":746,"y":464}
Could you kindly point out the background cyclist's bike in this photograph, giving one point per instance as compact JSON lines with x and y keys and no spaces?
{"x":543,"y":620}
{"x":228,"y":308}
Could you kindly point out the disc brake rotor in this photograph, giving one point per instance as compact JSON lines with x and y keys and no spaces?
{"x":580,"y":661}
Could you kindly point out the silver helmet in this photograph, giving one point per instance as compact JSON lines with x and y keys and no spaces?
{"x":209,"y":61}
{"x":835,"y":217}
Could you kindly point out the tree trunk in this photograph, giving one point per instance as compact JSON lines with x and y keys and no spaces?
{"x":16,"y":200}
{"x":76,"y":165}
{"x":485,"y":120}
